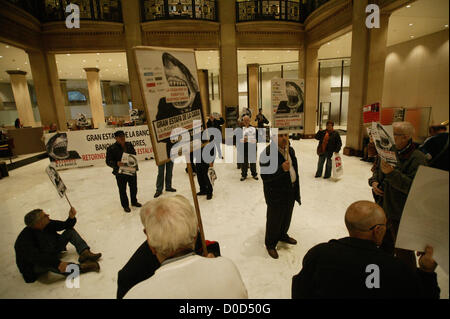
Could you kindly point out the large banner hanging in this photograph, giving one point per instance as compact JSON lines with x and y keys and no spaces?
{"x":168,"y":79}
{"x":287,"y":104}
{"x":88,"y":147}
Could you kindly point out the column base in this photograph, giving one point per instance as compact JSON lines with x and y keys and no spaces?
{"x":352,"y":152}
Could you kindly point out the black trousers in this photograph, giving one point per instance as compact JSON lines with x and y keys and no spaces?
{"x":122,"y":181}
{"x":244,"y":166}
{"x":278,"y":220}
{"x":203,"y":179}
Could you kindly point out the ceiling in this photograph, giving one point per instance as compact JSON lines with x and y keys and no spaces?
{"x":422,"y":17}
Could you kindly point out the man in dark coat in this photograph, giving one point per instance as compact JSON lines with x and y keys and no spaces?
{"x":354,"y":267}
{"x":436,"y":147}
{"x":216,"y":123}
{"x":114,"y":154}
{"x":329,"y":143}
{"x":279,"y":172}
{"x":39,"y":245}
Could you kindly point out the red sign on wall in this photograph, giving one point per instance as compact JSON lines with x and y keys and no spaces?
{"x":371,"y":113}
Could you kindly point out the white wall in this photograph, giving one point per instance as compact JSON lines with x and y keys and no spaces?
{"x":417,"y":75}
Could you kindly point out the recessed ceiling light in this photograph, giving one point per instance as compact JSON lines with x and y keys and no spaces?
{"x":26,"y":62}
{"x":1,"y":56}
{"x":408,"y":6}
{"x":18,"y":68}
{"x":7,"y":46}
{"x":84,"y":61}
{"x":328,"y":43}
{"x":98,"y":53}
{"x":446,"y":26}
{"x":411,"y":36}
{"x":411,"y":24}
{"x":68,"y":54}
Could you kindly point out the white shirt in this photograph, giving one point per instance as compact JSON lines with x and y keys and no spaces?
{"x":291,"y":167}
{"x":193,"y":277}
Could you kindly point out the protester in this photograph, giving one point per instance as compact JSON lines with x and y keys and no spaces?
{"x":436,"y":147}
{"x":160,"y":178}
{"x":248,"y":149}
{"x":281,"y":191}
{"x":392,"y":185}
{"x":261,"y":119}
{"x":354,"y":266}
{"x":39,"y":245}
{"x":114,"y":154}
{"x":171,"y":227}
{"x":217,"y":124}
{"x":329,"y":143}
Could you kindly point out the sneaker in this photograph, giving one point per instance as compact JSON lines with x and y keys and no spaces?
{"x":157,"y":194}
{"x":272,"y":253}
{"x":127,"y":209}
{"x":243,"y":178}
{"x":171,"y":189}
{"x":137,"y":204}
{"x":89,"y":266}
{"x":88,"y":255}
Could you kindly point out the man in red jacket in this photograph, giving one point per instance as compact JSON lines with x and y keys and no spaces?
{"x":39,"y":245}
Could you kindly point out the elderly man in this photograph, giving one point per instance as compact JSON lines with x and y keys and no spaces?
{"x":39,"y":245}
{"x":171,"y":228}
{"x":248,"y":140}
{"x":114,"y":154}
{"x":354,"y":266}
{"x":392,"y":184}
{"x":279,"y":172}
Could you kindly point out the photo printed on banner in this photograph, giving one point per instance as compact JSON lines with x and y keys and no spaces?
{"x":287,"y":104}
{"x":383,"y":137}
{"x":130,"y":164}
{"x":56,"y":180}
{"x":169,"y":81}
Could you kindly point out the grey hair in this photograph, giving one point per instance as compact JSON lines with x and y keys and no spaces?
{"x":31,"y":218}
{"x":404,"y":127}
{"x":170,"y":224}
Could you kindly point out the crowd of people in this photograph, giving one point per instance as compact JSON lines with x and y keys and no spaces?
{"x":171,"y":262}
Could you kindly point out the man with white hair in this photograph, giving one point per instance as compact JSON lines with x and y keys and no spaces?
{"x":171,"y":228}
{"x":354,"y":266}
{"x":392,"y":185}
{"x":249,"y":149}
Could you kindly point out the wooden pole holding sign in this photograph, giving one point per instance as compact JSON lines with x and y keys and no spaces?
{"x":197,"y":208}
{"x":68,"y":200}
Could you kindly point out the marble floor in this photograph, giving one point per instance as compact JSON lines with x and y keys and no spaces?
{"x":235,"y":217}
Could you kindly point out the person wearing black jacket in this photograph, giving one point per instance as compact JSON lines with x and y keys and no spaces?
{"x":279,"y":172}
{"x":329,"y":143}
{"x":216,"y":123}
{"x":39,"y":245}
{"x":114,"y":154}
{"x":355,"y":266}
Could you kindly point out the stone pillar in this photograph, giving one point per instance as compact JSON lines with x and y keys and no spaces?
{"x":228,"y":56}
{"x":95,"y":97}
{"x":204,"y":92}
{"x":22,"y":97}
{"x":107,"y":92}
{"x":252,"y":88}
{"x":366,"y":74}
{"x":48,"y":88}
{"x":131,"y":20}
{"x":311,"y":72}
{"x":123,"y":94}
{"x":64,"y":92}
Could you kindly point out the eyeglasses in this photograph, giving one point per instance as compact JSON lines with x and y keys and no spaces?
{"x":371,"y":228}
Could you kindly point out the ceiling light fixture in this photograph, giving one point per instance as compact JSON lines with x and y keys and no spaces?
{"x":7,"y":46}
{"x":446,"y":26}
{"x":68,"y":54}
{"x":412,"y":37}
{"x":411,"y":24}
{"x":408,"y":6}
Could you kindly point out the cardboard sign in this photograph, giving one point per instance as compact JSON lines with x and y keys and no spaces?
{"x":383,"y":138}
{"x":287,"y":104}
{"x":56,"y":180}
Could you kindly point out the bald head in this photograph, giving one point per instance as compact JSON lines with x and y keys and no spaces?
{"x":362,"y":215}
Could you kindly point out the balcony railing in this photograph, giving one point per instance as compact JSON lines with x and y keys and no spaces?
{"x":179,"y":9}
{"x":283,"y":10}
{"x":55,"y":10}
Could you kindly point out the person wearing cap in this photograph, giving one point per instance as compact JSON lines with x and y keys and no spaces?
{"x":114,"y":154}
{"x":279,"y":172}
{"x":355,"y":266}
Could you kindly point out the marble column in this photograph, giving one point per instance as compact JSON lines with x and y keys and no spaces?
{"x":252,"y":88}
{"x":64,"y":91}
{"x":366,"y":74}
{"x":50,"y":99}
{"x":228,"y":56}
{"x":22,"y":97}
{"x":131,"y":20}
{"x":107,"y":92}
{"x":204,"y":92}
{"x":95,"y":97}
{"x":311,"y":72}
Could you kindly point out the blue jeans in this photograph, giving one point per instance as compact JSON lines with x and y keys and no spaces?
{"x":322,"y":158}
{"x":160,"y":178}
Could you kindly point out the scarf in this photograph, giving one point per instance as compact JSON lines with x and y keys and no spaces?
{"x":325,"y":142}
{"x":407,"y":150}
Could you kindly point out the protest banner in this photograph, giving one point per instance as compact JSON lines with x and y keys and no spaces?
{"x":287,"y":104}
{"x":383,"y":138}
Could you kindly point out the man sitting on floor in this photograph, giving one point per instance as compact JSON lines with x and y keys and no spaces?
{"x":39,"y":245}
